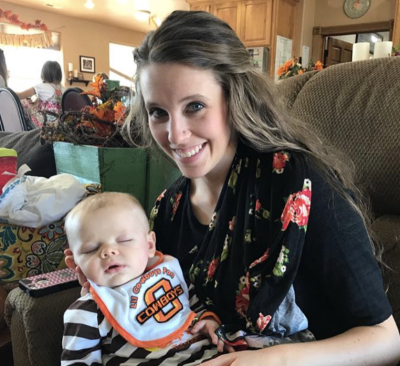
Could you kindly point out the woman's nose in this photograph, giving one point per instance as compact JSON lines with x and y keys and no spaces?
{"x":178,"y":130}
{"x":108,"y":251}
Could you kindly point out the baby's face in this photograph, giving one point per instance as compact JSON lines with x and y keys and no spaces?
{"x":111,"y":244}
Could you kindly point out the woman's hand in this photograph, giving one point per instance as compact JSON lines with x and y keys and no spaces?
{"x":208,"y":326}
{"x":69,"y":260}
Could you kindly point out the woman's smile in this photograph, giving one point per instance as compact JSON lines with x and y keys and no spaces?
{"x":188,"y":118}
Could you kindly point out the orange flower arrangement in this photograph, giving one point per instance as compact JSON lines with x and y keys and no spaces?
{"x":293,"y":67}
{"x":98,"y":124}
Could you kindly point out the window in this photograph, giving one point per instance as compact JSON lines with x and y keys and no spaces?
{"x":122,"y":67}
{"x":25,"y":64}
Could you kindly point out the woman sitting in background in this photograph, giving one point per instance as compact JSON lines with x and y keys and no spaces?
{"x":3,"y":70}
{"x":49,"y":94}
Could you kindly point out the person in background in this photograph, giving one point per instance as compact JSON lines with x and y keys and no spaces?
{"x":3,"y":70}
{"x":49,"y":94}
{"x":265,"y":221}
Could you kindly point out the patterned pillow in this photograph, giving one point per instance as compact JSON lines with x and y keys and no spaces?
{"x":29,"y":251}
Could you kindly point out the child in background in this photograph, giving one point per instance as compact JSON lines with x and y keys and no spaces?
{"x":49,"y":94}
{"x":138,"y":307}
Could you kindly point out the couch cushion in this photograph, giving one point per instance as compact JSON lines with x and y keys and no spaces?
{"x":354,"y":107}
{"x":387,"y":228}
{"x":40,"y":158}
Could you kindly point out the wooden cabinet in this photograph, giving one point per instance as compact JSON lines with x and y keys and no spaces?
{"x":202,"y":7}
{"x":256,"y":23}
{"x":250,"y":19}
{"x":229,"y":12}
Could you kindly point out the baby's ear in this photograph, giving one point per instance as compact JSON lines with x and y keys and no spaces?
{"x":151,"y":239}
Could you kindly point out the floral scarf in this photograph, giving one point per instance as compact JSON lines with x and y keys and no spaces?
{"x":248,"y":259}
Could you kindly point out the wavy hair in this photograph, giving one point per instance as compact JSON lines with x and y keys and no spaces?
{"x":201,"y":40}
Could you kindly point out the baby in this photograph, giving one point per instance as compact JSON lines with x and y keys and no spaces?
{"x":137,"y":309}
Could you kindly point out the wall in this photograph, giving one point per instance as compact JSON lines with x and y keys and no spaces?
{"x":330,"y":13}
{"x":79,"y":37}
{"x":308,"y":16}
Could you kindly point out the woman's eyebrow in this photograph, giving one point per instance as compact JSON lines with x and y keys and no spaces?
{"x":193,"y":96}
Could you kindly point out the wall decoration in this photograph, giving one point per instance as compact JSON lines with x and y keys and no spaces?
{"x":87,"y":64}
{"x":356,"y":8}
{"x":38,"y":40}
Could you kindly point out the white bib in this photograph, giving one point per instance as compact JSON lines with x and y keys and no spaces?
{"x":151,"y":310}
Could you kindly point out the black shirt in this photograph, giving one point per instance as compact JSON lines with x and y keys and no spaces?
{"x":338,"y":285}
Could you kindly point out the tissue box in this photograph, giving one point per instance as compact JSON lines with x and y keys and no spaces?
{"x":129,"y":170}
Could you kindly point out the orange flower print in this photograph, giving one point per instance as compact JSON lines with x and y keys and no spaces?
{"x":175,"y":204}
{"x":242,"y":301}
{"x":279,"y":162}
{"x":263,"y":321}
{"x":297,"y":208}
{"x":161,"y":196}
{"x":232,"y":223}
{"x":212,"y":268}
{"x":263,"y":258}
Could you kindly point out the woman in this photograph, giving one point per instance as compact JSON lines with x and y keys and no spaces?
{"x":254,"y":183}
{"x":49,"y":94}
{"x":3,"y":70}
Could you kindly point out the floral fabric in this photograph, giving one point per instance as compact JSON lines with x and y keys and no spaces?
{"x":52,"y":104}
{"x":27,"y":251}
{"x":246,"y":263}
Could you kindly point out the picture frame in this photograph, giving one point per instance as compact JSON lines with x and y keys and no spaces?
{"x":367,"y":37}
{"x":80,"y":76}
{"x":87,"y":64}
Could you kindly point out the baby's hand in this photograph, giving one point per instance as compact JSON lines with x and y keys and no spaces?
{"x":208,"y":327}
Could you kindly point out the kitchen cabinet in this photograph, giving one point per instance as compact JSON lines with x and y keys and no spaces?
{"x":258,"y":22}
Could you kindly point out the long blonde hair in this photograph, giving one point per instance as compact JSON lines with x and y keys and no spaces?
{"x":201,"y":40}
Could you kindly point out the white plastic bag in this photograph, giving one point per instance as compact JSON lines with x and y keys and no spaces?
{"x":35,"y":201}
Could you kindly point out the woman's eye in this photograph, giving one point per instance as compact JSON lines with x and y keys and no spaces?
{"x":195,"y":107}
{"x":157,"y":113}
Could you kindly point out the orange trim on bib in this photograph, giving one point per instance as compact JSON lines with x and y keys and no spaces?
{"x":159,"y":261}
{"x":161,"y":342}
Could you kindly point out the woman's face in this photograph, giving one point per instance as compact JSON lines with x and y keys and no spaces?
{"x":187,"y":113}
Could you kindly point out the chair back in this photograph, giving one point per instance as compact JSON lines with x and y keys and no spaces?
{"x":73,"y":100}
{"x":12,"y":117}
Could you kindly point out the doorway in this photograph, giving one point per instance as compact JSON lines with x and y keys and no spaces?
{"x":334,"y":44}
{"x":339,"y":49}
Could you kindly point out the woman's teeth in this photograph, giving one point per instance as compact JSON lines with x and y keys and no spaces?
{"x":190,"y":153}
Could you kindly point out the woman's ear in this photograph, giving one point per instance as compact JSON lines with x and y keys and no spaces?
{"x":151,"y":239}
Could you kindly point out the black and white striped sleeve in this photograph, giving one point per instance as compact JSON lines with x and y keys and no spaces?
{"x":82,"y":334}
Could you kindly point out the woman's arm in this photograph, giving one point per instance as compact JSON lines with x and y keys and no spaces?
{"x":27,"y":93}
{"x":366,"y":346}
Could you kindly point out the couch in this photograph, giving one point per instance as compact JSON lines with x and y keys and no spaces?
{"x":354,"y":107}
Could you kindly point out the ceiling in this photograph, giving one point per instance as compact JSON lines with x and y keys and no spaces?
{"x":120,"y":13}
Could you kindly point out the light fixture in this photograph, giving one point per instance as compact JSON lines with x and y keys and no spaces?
{"x":142,"y":10}
{"x":89,"y":4}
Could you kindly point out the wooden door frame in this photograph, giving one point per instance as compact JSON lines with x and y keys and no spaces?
{"x":320,"y":33}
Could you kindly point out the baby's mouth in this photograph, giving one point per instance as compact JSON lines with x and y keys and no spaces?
{"x":114,"y":268}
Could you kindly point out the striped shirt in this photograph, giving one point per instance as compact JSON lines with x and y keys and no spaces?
{"x":90,"y":339}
